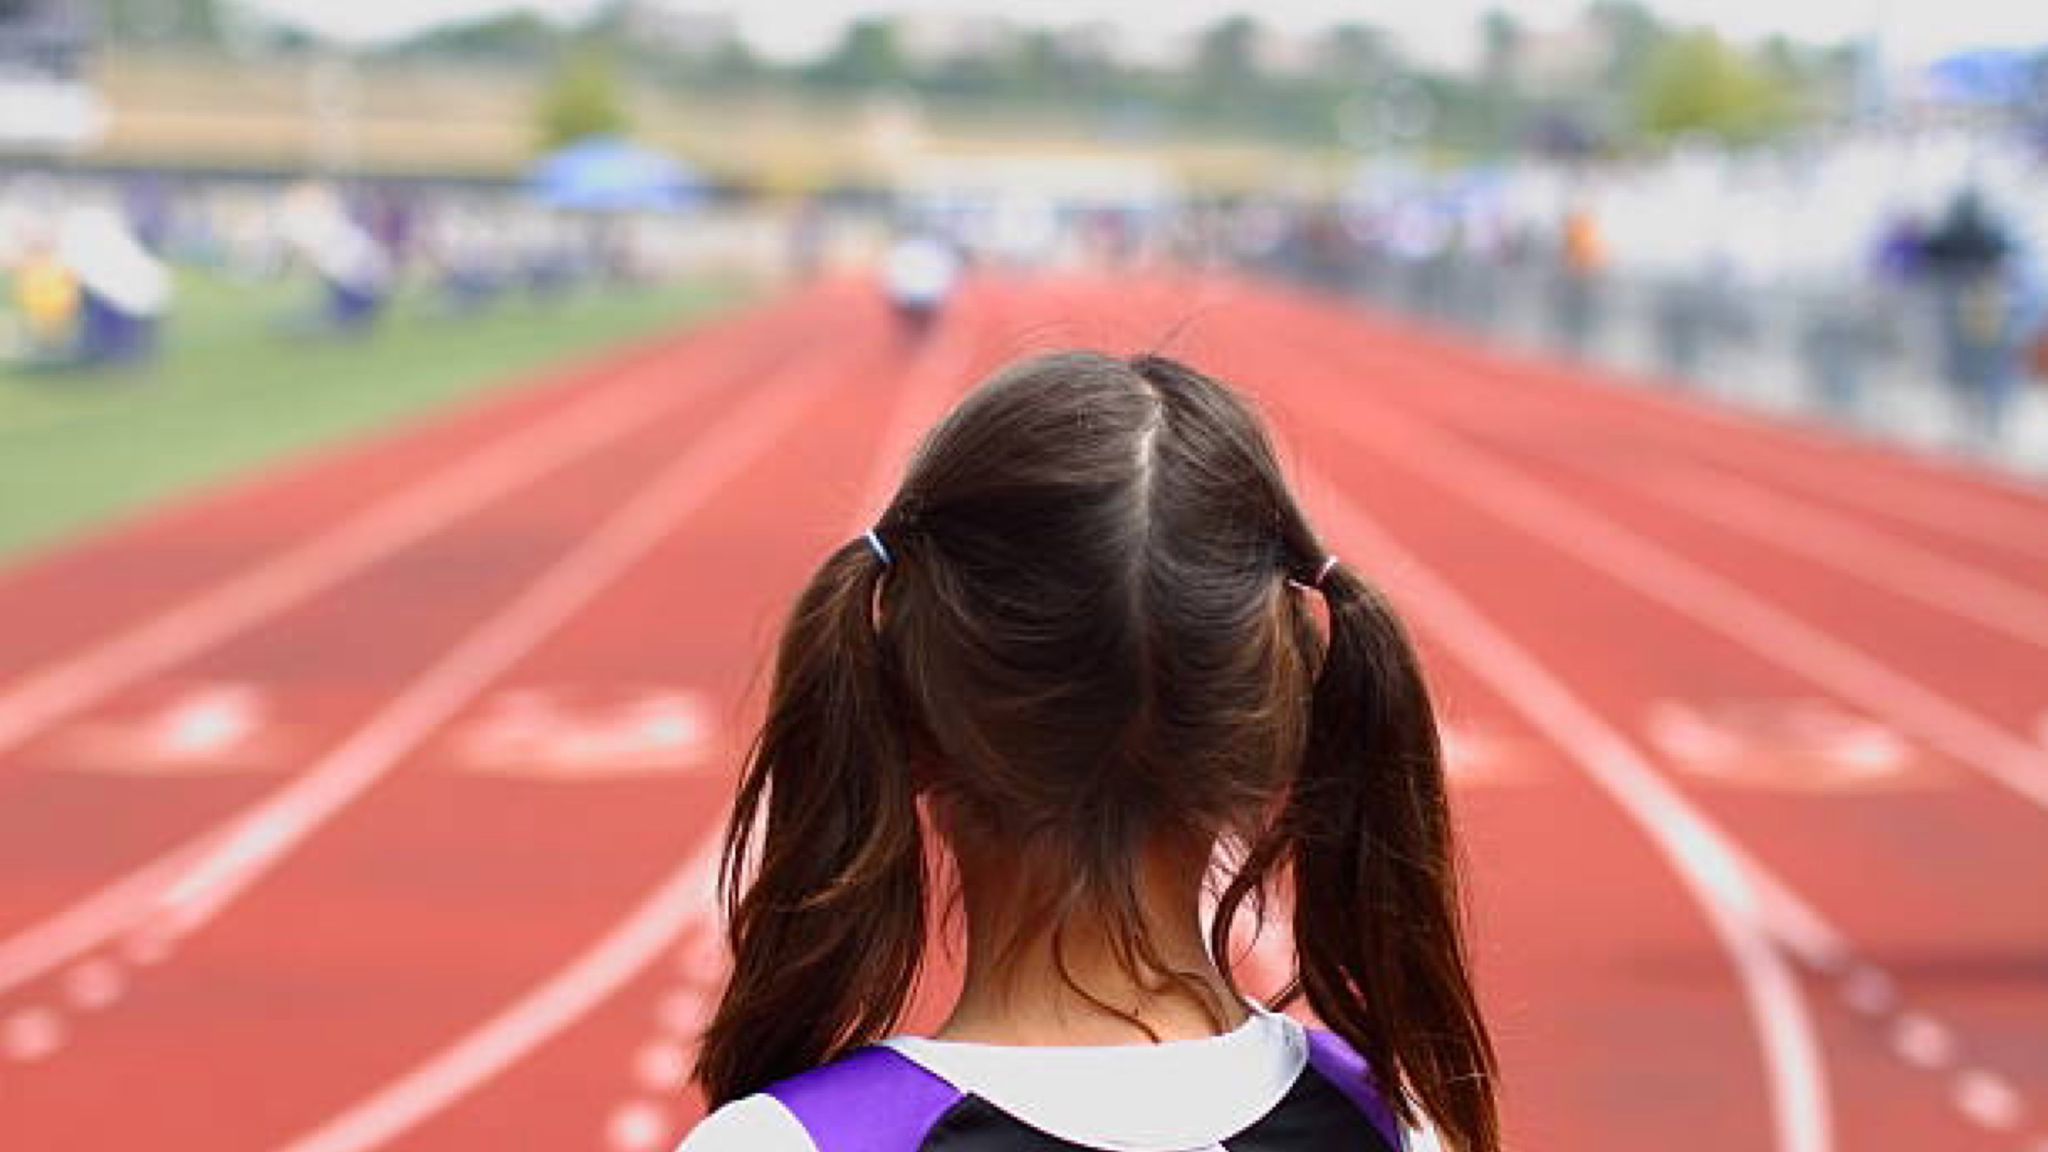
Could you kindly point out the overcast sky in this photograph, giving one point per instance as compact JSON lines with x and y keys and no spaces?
{"x":1440,"y":29}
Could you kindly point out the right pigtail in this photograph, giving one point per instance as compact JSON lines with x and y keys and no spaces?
{"x":1377,"y":913}
{"x":824,"y":870}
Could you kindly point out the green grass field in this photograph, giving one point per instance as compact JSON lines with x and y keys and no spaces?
{"x":231,"y":393}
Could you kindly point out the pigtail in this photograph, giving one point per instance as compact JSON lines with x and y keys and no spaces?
{"x":1377,"y":912}
{"x":823,"y":875}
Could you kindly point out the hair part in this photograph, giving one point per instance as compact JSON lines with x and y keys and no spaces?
{"x":1092,"y":638}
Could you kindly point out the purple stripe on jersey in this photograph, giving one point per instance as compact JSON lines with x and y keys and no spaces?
{"x":1331,"y":1056}
{"x":870,"y":1100}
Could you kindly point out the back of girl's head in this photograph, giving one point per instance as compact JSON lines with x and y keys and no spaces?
{"x":1084,"y":629}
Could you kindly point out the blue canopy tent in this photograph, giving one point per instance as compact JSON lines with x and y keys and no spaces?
{"x":1990,"y":77}
{"x":607,"y":174}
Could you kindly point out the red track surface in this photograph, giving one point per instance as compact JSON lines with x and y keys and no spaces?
{"x":367,"y":805}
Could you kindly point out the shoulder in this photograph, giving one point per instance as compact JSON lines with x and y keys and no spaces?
{"x":751,"y":1124}
{"x":1340,"y":1064}
{"x":871,"y":1099}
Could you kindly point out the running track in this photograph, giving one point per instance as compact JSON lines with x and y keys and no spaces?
{"x":366,"y":805}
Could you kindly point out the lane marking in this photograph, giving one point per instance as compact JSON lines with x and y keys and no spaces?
{"x":571,"y":734}
{"x":1869,"y":992}
{"x":1785,"y":918}
{"x":639,"y":1126}
{"x":197,"y":729}
{"x":683,"y":899}
{"x":1534,"y":509}
{"x":32,"y":1034}
{"x":176,"y":633}
{"x":1958,"y":589}
{"x":95,"y":984}
{"x":686,"y":900}
{"x":1479,"y":758}
{"x":680,"y":1013}
{"x":1951,"y":514}
{"x":661,"y":1067}
{"x":1988,"y":1100}
{"x":188,"y":886}
{"x":1725,"y":884}
{"x":1783,"y":745}
{"x":1792,"y":924}
{"x":1922,"y":1041}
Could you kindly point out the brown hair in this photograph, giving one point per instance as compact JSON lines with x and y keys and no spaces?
{"x":1094,"y":633}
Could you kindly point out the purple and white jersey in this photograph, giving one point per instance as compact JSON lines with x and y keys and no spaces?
{"x":1268,"y":1086}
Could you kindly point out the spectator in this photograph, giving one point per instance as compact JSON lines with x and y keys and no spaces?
{"x":1969,"y":257}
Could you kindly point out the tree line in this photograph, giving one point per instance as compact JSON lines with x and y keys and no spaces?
{"x":1634,"y":78}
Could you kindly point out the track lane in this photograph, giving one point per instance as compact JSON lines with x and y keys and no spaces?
{"x":60,"y":663}
{"x":1617,"y":1016}
{"x":1582,"y":1066}
{"x":1943,"y":718}
{"x":1923,"y":850}
{"x":321,"y":668}
{"x":393,"y":935}
{"x":591,"y":1026}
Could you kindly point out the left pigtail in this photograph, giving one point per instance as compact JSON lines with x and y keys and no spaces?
{"x":824,"y":874}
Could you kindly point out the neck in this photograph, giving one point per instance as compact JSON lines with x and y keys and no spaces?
{"x":1023,"y":987}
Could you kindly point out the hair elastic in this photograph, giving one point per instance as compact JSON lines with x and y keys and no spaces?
{"x":1323,"y":573}
{"x":880,"y":549}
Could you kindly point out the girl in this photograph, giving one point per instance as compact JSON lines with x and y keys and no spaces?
{"x":1081,"y":647}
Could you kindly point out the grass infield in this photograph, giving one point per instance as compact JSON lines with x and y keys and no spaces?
{"x":231,"y":392}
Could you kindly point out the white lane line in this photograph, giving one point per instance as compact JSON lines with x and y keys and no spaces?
{"x":1722,"y":880}
{"x":687,"y":897}
{"x":193,"y":882}
{"x":662,"y":1067}
{"x":181,"y":631}
{"x":639,"y":1126}
{"x":1954,"y":514}
{"x":680,"y":1013}
{"x":1789,"y":920}
{"x":31,"y":1034}
{"x":686,"y":900}
{"x":95,"y":984}
{"x":1869,"y":992}
{"x":1873,"y":557}
{"x":1659,"y":574}
{"x":1922,"y":1041}
{"x":1988,"y":1100}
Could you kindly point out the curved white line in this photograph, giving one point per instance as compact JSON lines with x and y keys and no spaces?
{"x":1721,"y":879}
{"x":1873,"y":557}
{"x":1720,"y":604}
{"x":181,"y":631}
{"x":684,"y":902}
{"x":680,"y":904}
{"x":188,"y":885}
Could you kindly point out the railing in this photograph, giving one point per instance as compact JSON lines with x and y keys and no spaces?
{"x":1873,"y":358}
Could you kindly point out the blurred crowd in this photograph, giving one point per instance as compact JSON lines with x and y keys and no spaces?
{"x":86,"y":263}
{"x":1854,"y":259}
{"x":1836,"y":271}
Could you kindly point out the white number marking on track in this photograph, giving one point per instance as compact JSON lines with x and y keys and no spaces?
{"x":1796,"y":745}
{"x":192,"y":730}
{"x":567,"y":733}
{"x":1479,"y":756}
